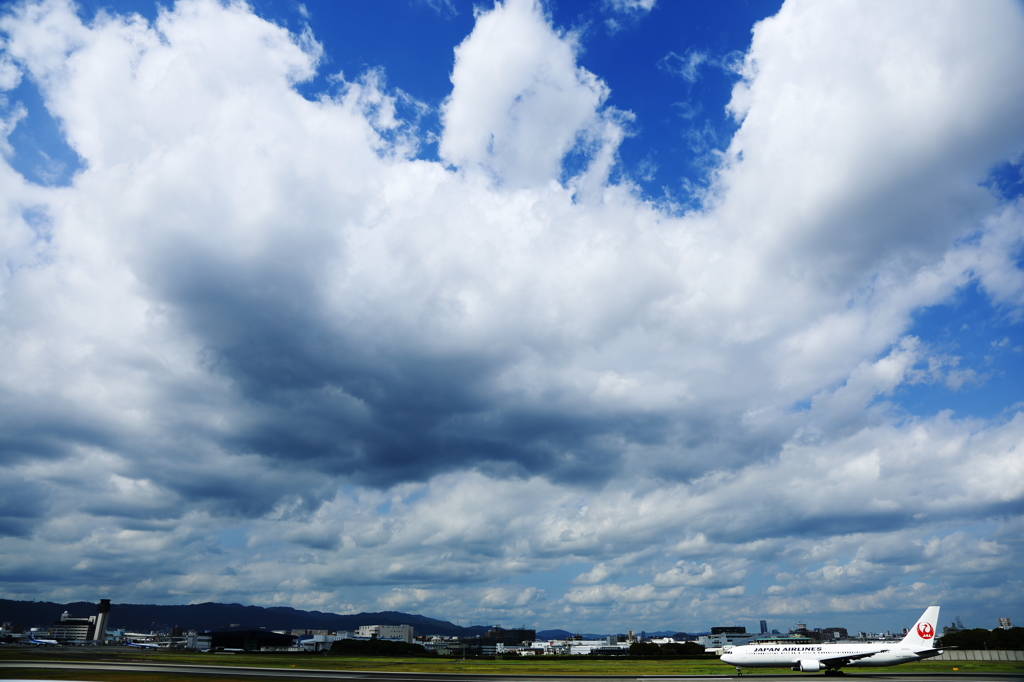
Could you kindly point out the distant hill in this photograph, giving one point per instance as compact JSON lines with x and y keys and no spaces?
{"x":147,"y":617}
{"x":553,"y":634}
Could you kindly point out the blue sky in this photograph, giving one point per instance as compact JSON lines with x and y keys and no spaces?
{"x":600,"y":315}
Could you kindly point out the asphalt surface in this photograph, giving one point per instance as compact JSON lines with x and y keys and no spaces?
{"x":306,"y":674}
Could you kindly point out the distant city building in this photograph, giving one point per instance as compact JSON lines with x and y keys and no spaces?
{"x":609,"y":646}
{"x":833,"y":634}
{"x":1004,"y":623}
{"x":764,"y":627}
{"x":402,"y":633}
{"x":779,"y":639}
{"x":960,"y":623}
{"x":721,"y":637}
{"x":512,"y":637}
{"x":500,"y":640}
{"x":444,"y":646}
{"x":729,"y":630}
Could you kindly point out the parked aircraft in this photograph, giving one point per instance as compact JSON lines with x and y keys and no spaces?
{"x":141,"y":645}
{"x":831,"y":657}
{"x":42,"y":642}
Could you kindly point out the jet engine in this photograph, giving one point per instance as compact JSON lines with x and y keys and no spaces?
{"x":809,"y":666}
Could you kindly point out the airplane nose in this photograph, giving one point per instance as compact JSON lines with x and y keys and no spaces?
{"x":726,"y":658}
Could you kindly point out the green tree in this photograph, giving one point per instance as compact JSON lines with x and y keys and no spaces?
{"x":682,"y":649}
{"x":644,"y":649}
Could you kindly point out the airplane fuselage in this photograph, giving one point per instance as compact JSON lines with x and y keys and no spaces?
{"x":791,"y":656}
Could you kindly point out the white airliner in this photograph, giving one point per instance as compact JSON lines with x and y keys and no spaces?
{"x":831,"y":657}
{"x":141,"y":645}
{"x":42,"y":642}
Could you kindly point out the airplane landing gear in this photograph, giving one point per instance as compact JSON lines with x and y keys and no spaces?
{"x":739,"y":671}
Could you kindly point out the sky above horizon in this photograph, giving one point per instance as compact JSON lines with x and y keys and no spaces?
{"x":596,"y":315}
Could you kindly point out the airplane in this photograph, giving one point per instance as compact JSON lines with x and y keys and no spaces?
{"x":830,"y":658}
{"x":42,"y":642}
{"x":141,"y":645}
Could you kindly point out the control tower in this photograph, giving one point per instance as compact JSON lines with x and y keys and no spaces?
{"x":102,"y":617}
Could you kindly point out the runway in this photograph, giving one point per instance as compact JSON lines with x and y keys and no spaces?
{"x":240,"y":672}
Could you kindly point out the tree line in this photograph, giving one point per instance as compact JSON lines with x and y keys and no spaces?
{"x":650,"y":649}
{"x":980,"y":638}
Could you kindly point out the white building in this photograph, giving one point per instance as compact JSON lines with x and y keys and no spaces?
{"x":723,"y":640}
{"x":445,"y":646}
{"x":318,"y":642}
{"x":401,"y":633}
{"x":663,"y":640}
{"x":198,"y":641}
{"x":577,"y":647}
{"x":551,"y":646}
{"x":69,"y":629}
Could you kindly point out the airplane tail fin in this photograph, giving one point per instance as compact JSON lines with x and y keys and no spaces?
{"x":922,"y":635}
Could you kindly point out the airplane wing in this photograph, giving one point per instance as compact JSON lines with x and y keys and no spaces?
{"x":845,"y":660}
{"x":928,"y":653}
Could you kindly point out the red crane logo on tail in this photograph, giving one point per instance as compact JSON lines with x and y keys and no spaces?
{"x":925,"y":630}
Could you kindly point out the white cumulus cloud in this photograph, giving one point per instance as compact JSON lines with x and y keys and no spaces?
{"x":259,"y":349}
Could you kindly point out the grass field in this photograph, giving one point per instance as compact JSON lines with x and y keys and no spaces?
{"x":574,"y":666}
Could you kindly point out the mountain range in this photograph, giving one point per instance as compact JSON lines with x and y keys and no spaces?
{"x":207,"y":616}
{"x":211,"y":615}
